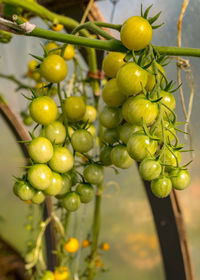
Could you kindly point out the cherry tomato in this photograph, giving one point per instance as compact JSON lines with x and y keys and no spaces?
{"x":138,"y":109}
{"x":71,"y":201}
{"x":56,"y":185}
{"x":55,"y":132}
{"x":40,"y":150}
{"x":170,"y":159}
{"x":43,"y":110}
{"x":86,"y":192}
{"x":161,"y":187}
{"x":120,"y":157}
{"x":23,"y":190}
{"x":110,"y":117}
{"x":38,"y":197}
{"x":169,"y":100}
{"x":36,"y":76}
{"x":50,"y":47}
{"x":110,"y":135}
{"x":53,"y":68}
{"x":69,"y":52}
{"x":151,"y":81}
{"x":40,"y":176}
{"x":40,"y":87}
{"x":66,"y":185}
{"x":180,"y":179}
{"x":136,"y":33}
{"x":28,"y":120}
{"x":91,"y":129}
{"x":130,"y":77}
{"x":72,"y":245}
{"x":74,"y":108}
{"x":32,"y":65}
{"x":105,"y":246}
{"x":48,"y":275}
{"x":150,"y":169}
{"x":157,"y":131}
{"x":105,"y":156}
{"x":57,"y":27}
{"x":90,"y":114}
{"x":82,"y":140}
{"x":93,"y":174}
{"x":112,"y":95}
{"x":112,"y":62}
{"x":85,"y":243}
{"x":140,"y":146}
{"x":127,"y":130}
{"x":62,"y":160}
{"x":61,"y":273}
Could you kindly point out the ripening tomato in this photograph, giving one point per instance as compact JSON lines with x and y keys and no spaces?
{"x":94,"y":174}
{"x":150,"y":169}
{"x":151,"y":81}
{"x":61,"y":273}
{"x":56,"y":185}
{"x":69,"y":52}
{"x":48,"y":275}
{"x":110,"y":117}
{"x":40,"y":150}
{"x":112,"y":95}
{"x":138,"y":108}
{"x":43,"y":110}
{"x":161,"y":187}
{"x":140,"y":146}
{"x":72,"y":245}
{"x":169,"y":100}
{"x":112,"y":62}
{"x":86,"y":192}
{"x":32,"y":65}
{"x":62,"y":160}
{"x":126,"y":130}
{"x":55,"y":132}
{"x":51,"y":48}
{"x":57,"y":27}
{"x":90,"y":114}
{"x":180,"y":179}
{"x":40,"y":176}
{"x":53,"y":68}
{"x":66,"y":185}
{"x":23,"y":190}
{"x":38,"y":197}
{"x":105,"y":156}
{"x":74,"y":108}
{"x":136,"y":33}
{"x":110,"y":135}
{"x":157,"y":131}
{"x":71,"y":201}
{"x":82,"y":141}
{"x":130,"y":77}
{"x":170,"y":159}
{"x":120,"y":157}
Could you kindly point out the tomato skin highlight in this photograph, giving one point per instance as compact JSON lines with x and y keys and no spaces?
{"x":180,"y":179}
{"x":86,"y":192}
{"x":40,"y":176}
{"x":62,"y":160}
{"x":93,"y":174}
{"x":74,"y":108}
{"x":56,"y":185}
{"x":55,"y":132}
{"x":40,"y":150}
{"x":161,"y":187}
{"x":82,"y":141}
{"x":150,"y":169}
{"x":112,"y":63}
{"x":120,"y":157}
{"x":110,"y":117}
{"x":71,"y":201}
{"x":112,"y":95}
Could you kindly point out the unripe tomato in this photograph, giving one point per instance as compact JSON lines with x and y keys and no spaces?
{"x":126,"y":130}
{"x":38,"y":197}
{"x":74,"y":108}
{"x":161,"y":187}
{"x":138,"y":108}
{"x":93,"y":174}
{"x":69,"y":52}
{"x":151,"y":81}
{"x":55,"y":132}
{"x":32,"y":65}
{"x":91,"y":129}
{"x":150,"y":169}
{"x":90,"y":114}
{"x":110,"y":135}
{"x":40,"y":150}
{"x":61,"y":273}
{"x":112,"y":62}
{"x":23,"y":190}
{"x":82,"y":140}
{"x":56,"y":185}
{"x":170,"y":159}
{"x":40,"y":176}
{"x":53,"y":68}
{"x":48,"y":275}
{"x":110,"y":117}
{"x":28,"y":120}
{"x":120,"y":157}
{"x":112,"y":95}
{"x":130,"y":77}
{"x":136,"y":33}
{"x":86,"y":192}
{"x":180,"y":179}
{"x":169,"y":100}
{"x":71,"y":201}
{"x":105,"y":156}
{"x":43,"y":110}
{"x":62,"y":160}
{"x":50,"y":47}
{"x":140,"y":146}
{"x":72,"y":245}
{"x":157,"y":131}
{"x":66,"y":185}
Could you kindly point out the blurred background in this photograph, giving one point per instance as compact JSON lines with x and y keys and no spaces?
{"x":127,"y":222}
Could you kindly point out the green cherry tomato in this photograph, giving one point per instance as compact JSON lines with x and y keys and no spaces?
{"x":151,"y":81}
{"x":71,"y":201}
{"x":140,"y":146}
{"x":40,"y":150}
{"x":62,"y":160}
{"x":86,"y":192}
{"x":43,"y":110}
{"x":40,"y":176}
{"x":48,"y":275}
{"x":161,"y":187}
{"x":180,"y":179}
{"x":110,"y":135}
{"x":112,"y":95}
{"x":82,"y":140}
{"x":170,"y":159}
{"x":28,"y":120}
{"x":136,"y":33}
{"x":53,"y":68}
{"x":91,"y":129}
{"x":112,"y":62}
{"x":74,"y":108}
{"x":55,"y":132}
{"x":130,"y":77}
{"x":38,"y":197}
{"x":126,"y":130}
{"x":138,"y":108}
{"x":110,"y":117}
{"x":94,"y":174}
{"x":150,"y":169}
{"x":56,"y":185}
{"x":90,"y":114}
{"x":23,"y":190}
{"x":105,"y":156}
{"x":120,"y":157}
{"x":169,"y":100}
{"x":66,"y":185}
{"x":169,"y":132}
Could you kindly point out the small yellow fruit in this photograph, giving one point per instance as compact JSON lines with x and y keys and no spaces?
{"x":69,"y":52}
{"x":105,"y":246}
{"x":72,"y":245}
{"x":85,"y":243}
{"x":57,"y":27}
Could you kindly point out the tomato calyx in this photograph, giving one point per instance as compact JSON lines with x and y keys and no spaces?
{"x":151,"y":20}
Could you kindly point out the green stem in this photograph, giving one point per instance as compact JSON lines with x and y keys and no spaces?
{"x":63,"y":110}
{"x":108,"y":25}
{"x":66,"y":223}
{"x":13,"y":79}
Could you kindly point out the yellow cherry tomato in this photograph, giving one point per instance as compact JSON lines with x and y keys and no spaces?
{"x":72,"y":245}
{"x":57,"y":27}
{"x":32,"y":65}
{"x":69,"y":52}
{"x":92,"y":129}
{"x":99,"y":263}
{"x":61,"y":273}
{"x":70,"y":131}
{"x":36,"y":76}
{"x":105,"y":246}
{"x":50,"y":47}
{"x":41,"y":87}
{"x":90,"y":114}
{"x":112,"y":62}
{"x":85,"y":243}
